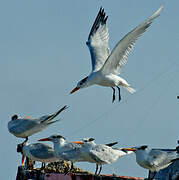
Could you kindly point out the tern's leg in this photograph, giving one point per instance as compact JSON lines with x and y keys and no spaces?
{"x":26,"y":139}
{"x":56,"y":164}
{"x":96,"y":169}
{"x":119,"y":93}
{"x":151,"y":175}
{"x":113,"y":97}
{"x":29,"y":163}
{"x":100,"y":170}
{"x":43,"y":166}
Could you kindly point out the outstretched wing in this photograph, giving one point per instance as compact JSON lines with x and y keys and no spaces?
{"x":98,"y":41}
{"x":118,"y":56}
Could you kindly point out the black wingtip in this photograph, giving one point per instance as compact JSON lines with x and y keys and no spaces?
{"x":101,"y":19}
{"x":111,"y":144}
{"x":65,"y":107}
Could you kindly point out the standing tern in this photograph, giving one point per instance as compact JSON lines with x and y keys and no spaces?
{"x":105,"y":65}
{"x":101,"y":154}
{"x":37,"y":152}
{"x":25,"y":127}
{"x":64,"y":150}
{"x":75,"y":151}
{"x":154,"y":159}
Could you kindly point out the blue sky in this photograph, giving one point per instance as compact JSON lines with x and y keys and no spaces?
{"x":43,"y":55}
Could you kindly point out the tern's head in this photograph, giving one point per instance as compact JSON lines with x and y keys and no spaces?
{"x":85,"y":140}
{"x":54,"y":138}
{"x":139,"y":148}
{"x":19,"y":147}
{"x":80,"y":84}
{"x":14,"y":117}
{"x":144,"y":147}
{"x":88,"y":142}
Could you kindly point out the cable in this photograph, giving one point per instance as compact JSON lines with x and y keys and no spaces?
{"x":153,"y":80}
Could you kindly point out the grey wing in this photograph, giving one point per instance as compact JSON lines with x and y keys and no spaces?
{"x":42,"y":151}
{"x":98,"y":41}
{"x":95,"y":158}
{"x":22,"y":125}
{"x":161,"y":158}
{"x":118,"y":56}
{"x":101,"y":152}
{"x":71,"y":146}
{"x":71,"y":155}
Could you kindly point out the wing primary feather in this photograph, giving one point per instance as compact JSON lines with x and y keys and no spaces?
{"x":98,"y":41}
{"x":118,"y":56}
{"x":99,"y":19}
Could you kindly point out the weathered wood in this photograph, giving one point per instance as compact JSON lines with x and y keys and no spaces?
{"x":36,"y":174}
{"x":24,"y":174}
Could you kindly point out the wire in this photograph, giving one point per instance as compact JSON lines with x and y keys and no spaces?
{"x":152,"y":81}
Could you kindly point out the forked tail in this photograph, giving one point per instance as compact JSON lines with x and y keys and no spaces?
{"x":131,"y":90}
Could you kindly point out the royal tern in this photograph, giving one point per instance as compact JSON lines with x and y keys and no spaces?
{"x":85,"y":151}
{"x":100,"y":154}
{"x":25,"y":127}
{"x":37,"y":152}
{"x":64,"y":150}
{"x":105,"y":65}
{"x":154,"y":159}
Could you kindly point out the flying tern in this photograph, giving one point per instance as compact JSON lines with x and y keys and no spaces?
{"x":25,"y":127}
{"x":37,"y":152}
{"x":154,"y":159}
{"x":105,"y":65}
{"x":101,"y":154}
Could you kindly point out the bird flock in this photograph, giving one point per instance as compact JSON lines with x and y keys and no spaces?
{"x":106,"y":67}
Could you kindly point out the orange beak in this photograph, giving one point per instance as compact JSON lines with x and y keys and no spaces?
{"x":22,"y":161}
{"x":77,"y":142}
{"x":44,"y":139}
{"x":75,"y":89}
{"x":129,"y":149}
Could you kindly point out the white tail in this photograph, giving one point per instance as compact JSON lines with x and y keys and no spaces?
{"x":131,"y":90}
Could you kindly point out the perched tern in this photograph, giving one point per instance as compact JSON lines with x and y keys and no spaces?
{"x":25,"y":127}
{"x":101,"y":154}
{"x":154,"y":159}
{"x":85,"y":151}
{"x":64,"y":150}
{"x":105,"y":65}
{"x":37,"y":152}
